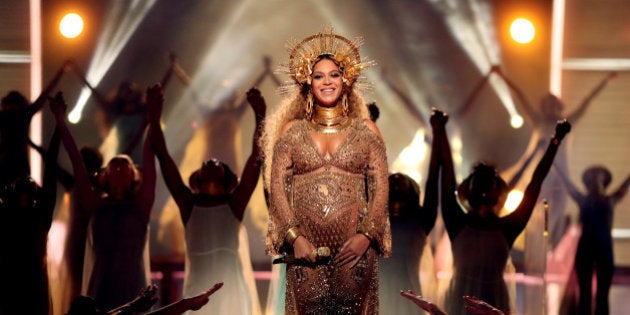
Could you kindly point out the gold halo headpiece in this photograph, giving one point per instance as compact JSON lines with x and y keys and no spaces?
{"x":304,"y":54}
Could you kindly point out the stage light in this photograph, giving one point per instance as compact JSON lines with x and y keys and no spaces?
{"x":71,"y":25}
{"x":123,"y":20}
{"x":513,"y":200}
{"x":522,"y":31}
{"x":516,"y":121}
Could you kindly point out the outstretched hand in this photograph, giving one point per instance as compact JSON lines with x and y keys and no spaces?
{"x":479,"y":307}
{"x":198,"y":301}
{"x":562,"y":128}
{"x":422,"y":303}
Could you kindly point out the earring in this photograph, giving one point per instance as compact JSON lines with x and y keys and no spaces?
{"x":309,"y":105}
{"x":344,"y":103}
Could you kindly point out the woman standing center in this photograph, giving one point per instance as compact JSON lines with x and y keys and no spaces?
{"x":326,"y":173}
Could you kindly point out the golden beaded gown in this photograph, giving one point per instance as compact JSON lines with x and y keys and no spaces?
{"x":330,"y":199}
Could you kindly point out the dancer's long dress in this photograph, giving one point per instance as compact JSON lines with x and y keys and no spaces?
{"x":479,"y":258}
{"x":402,"y":270}
{"x":328,"y":199}
{"x":212,"y":255}
{"x":119,"y":240}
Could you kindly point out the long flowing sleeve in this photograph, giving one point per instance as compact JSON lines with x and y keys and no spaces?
{"x":281,"y":216}
{"x":375,"y":221}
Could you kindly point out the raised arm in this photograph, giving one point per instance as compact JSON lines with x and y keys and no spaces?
{"x":528,"y":110}
{"x":451,"y":211}
{"x":100,"y":98}
{"x":521,"y":170}
{"x":166,"y":78}
{"x":182,"y":195}
{"x":406,"y":101}
{"x":87,"y":196}
{"x":621,"y":191}
{"x":468,"y":103}
{"x":41,"y":99}
{"x":430,"y":203}
{"x":267,"y":71}
{"x":50,"y":176}
{"x":579,"y":112}
{"x":146,"y":193}
{"x":251,"y":172}
{"x":63,"y":176}
{"x":517,"y":220}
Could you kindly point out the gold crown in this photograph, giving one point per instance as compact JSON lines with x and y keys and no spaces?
{"x":304,"y":54}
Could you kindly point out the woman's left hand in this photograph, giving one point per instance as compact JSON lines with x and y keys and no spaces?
{"x":352,"y":250}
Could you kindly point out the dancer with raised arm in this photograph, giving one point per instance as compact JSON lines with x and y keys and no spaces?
{"x":212,"y":210}
{"x":477,"y":227}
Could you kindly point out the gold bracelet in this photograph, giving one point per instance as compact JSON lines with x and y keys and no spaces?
{"x":366,"y":227}
{"x":292,"y":234}
{"x":366,"y":234}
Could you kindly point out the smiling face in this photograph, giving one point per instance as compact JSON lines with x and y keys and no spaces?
{"x":327,"y":83}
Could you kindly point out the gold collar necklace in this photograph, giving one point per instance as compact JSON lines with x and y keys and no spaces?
{"x":329,"y":119}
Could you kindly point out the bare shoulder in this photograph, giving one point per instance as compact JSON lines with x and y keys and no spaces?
{"x":372,"y":126}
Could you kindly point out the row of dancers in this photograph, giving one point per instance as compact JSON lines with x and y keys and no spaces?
{"x":129,"y":191}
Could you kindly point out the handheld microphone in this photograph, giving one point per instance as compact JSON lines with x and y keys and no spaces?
{"x":321,"y":253}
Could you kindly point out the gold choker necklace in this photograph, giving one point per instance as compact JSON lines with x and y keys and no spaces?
{"x":329,"y":119}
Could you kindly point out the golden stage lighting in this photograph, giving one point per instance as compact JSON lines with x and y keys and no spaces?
{"x":71,"y":25}
{"x":522,"y":31}
{"x":514,"y":199}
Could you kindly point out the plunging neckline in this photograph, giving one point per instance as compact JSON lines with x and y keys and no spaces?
{"x":341,"y":145}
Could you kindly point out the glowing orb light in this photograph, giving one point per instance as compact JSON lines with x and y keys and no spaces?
{"x":522,"y":30}
{"x":516,"y":121}
{"x":71,"y":25}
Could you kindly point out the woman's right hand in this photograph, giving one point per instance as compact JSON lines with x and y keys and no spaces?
{"x":304,"y":250}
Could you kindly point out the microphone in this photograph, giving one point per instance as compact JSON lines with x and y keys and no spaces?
{"x":321,"y":253}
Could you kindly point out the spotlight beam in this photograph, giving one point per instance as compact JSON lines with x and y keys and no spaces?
{"x":115,"y":36}
{"x":478,"y":42}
